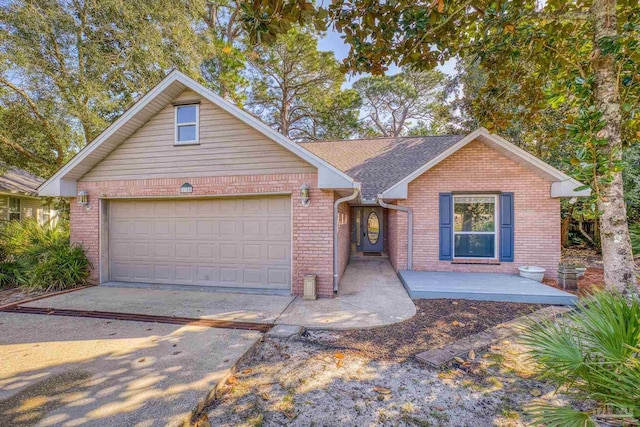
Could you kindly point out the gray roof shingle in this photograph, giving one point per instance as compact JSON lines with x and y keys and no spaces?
{"x":379,"y":163}
{"x":14,"y":180}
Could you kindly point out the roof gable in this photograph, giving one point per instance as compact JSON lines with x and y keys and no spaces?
{"x":63,"y":182}
{"x":385,"y":166}
{"x":562,"y":185}
{"x":226,"y":146}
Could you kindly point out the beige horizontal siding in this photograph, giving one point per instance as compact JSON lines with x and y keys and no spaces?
{"x":227,"y":147}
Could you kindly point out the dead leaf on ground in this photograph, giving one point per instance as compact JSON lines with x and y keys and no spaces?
{"x":340,"y":363}
{"x":141,"y":360}
{"x":247,"y":371}
{"x":231,"y":380}
{"x":382,"y":390}
{"x":472,"y":354}
{"x":339,"y":355}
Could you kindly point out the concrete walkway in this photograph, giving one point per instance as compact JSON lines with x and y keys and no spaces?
{"x":482,"y":287}
{"x":179,"y":303}
{"x":62,"y":371}
{"x":370,"y":295}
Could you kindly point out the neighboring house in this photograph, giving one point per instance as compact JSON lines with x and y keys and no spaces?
{"x":19,"y":197}
{"x":186,"y":188}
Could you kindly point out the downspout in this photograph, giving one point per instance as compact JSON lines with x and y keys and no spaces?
{"x":356,"y":192}
{"x":409,"y":228}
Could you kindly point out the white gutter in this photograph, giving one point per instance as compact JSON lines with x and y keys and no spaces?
{"x":356,"y":192}
{"x":409,"y":228}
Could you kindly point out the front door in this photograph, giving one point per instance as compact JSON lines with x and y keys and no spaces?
{"x":371,"y":228}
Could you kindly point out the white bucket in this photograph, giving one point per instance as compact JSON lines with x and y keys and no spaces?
{"x":532,"y":272}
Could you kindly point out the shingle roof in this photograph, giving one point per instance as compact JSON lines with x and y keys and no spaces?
{"x":379,"y":163}
{"x":14,"y":180}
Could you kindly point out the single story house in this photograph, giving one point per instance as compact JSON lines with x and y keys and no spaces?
{"x":19,"y":197}
{"x":186,"y":188}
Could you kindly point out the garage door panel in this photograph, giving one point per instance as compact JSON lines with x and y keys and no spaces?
{"x":228,"y":207}
{"x":278,"y":253}
{"x":279,"y":205}
{"x":207,"y":207}
{"x":162,"y":273}
{"x":208,"y":276}
{"x":207,"y":228}
{"x":278,"y":276}
{"x":252,"y":252}
{"x":207,"y":252}
{"x":227,"y":229}
{"x":278,"y":230}
{"x":229,"y":251}
{"x":236,"y":242}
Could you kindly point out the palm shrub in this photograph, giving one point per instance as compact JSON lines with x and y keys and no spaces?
{"x":40,"y":257}
{"x":593,"y":353}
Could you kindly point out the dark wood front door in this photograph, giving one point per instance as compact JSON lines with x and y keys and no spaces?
{"x":372,"y":238}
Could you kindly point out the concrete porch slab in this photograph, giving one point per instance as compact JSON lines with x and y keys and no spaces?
{"x":482,"y":287}
{"x":63,"y":371}
{"x":177,"y":302}
{"x":370,"y":295}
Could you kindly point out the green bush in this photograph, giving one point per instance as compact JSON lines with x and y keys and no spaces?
{"x":634,"y":231}
{"x":593,"y":353}
{"x":40,"y":257}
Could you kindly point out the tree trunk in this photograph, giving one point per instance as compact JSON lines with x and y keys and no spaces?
{"x":619,"y":268}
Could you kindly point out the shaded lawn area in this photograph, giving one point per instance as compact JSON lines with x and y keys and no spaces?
{"x":436,"y":323}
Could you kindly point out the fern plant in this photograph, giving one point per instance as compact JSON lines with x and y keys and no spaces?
{"x":40,"y":257}
{"x":594,"y":354}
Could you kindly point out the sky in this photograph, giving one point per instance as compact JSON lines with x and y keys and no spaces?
{"x":332,"y":41}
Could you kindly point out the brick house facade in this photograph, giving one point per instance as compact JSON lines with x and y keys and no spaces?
{"x":537,"y":224}
{"x":294,"y":203}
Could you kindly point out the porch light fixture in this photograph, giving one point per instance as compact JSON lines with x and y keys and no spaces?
{"x":186,"y":188}
{"x":83,"y":199}
{"x":304,"y":195}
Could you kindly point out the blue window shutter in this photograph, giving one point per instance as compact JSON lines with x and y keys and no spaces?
{"x":506,"y":227}
{"x":446,"y":226}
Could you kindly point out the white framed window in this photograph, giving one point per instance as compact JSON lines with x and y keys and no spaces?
{"x":187,"y":124}
{"x":14,"y":209}
{"x":46,"y":214}
{"x":475,"y":225}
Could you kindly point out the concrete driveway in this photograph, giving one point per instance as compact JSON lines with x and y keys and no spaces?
{"x":67,"y":371}
{"x":71,"y":371}
{"x":178,"y":303}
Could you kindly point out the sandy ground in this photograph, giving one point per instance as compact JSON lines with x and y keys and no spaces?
{"x":303,"y":383}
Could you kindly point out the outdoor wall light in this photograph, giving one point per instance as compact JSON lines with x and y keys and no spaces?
{"x":83,"y":199}
{"x":304,"y":195}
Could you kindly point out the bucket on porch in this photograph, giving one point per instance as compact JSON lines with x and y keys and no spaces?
{"x":532,"y":272}
{"x":309,"y":293}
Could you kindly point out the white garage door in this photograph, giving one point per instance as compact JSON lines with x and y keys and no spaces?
{"x":235,"y":242}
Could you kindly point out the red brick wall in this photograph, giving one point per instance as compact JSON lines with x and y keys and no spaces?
{"x":344,"y":237}
{"x":477,"y":167}
{"x":312,"y":228}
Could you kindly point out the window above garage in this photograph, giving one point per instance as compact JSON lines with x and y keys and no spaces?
{"x":187,"y":124}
